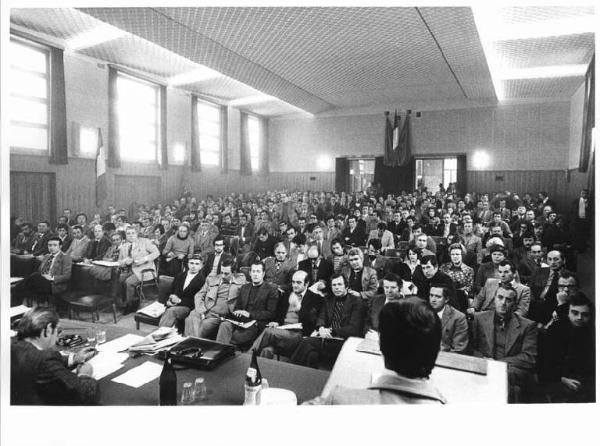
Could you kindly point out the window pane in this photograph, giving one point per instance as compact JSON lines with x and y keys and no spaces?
{"x":179,"y":153}
{"x":27,"y":57}
{"x":210,"y":158}
{"x":88,"y":141}
{"x":254,"y":163}
{"x":28,"y":111}
{"x":209,"y":143}
{"x":140,"y":114}
{"x":209,"y":128}
{"x":450,"y":164}
{"x":28,"y":84}
{"x":208,"y":112}
{"x":27,"y":137}
{"x":132,"y":90}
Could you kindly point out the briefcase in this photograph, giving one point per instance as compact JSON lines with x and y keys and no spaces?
{"x":201,"y":353}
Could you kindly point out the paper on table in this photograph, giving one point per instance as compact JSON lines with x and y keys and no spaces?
{"x":18,"y":310}
{"x":119,"y":344}
{"x":105,"y":363}
{"x":105,"y":263}
{"x":140,"y":375}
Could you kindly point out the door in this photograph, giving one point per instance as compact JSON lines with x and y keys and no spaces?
{"x":33,"y":196}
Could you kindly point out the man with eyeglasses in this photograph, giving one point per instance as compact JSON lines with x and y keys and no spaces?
{"x":568,"y":286}
{"x":503,"y":335}
{"x":39,"y":374}
{"x":302,"y":309}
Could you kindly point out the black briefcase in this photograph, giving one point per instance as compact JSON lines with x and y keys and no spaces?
{"x":201,"y":353}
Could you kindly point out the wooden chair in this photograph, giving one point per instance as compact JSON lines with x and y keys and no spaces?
{"x":164,"y":286}
{"x":92,"y":303}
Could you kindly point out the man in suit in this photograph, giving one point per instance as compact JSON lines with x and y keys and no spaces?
{"x":212,"y":265}
{"x":24,"y":241}
{"x":97,"y":247}
{"x":317,"y":268}
{"x":472,"y":242}
{"x":279,"y":269}
{"x":341,"y":316}
{"x":331,"y":232}
{"x":62,"y":231}
{"x":485,"y":300}
{"x":216,"y":299}
{"x":135,"y":256}
{"x":375,"y":260}
{"x":530,"y":265}
{"x":264,"y":244}
{"x":362,"y":280}
{"x":410,"y":335}
{"x":392,"y":291}
{"x":257,"y":302}
{"x":39,"y":374}
{"x":52,"y":276}
{"x":430,"y":274}
{"x":446,"y":228}
{"x":245,"y":234}
{"x":181,"y":296}
{"x":544,"y":288}
{"x":353,"y":235}
{"x":502,"y":335}
{"x":40,"y":246}
{"x":383,"y":235}
{"x":300,"y":305}
{"x":455,"y":330}
{"x":203,"y":239}
{"x":323,"y":245}
{"x":79,"y":245}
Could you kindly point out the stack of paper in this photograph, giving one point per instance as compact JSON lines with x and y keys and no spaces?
{"x":155,"y":309}
{"x":158,"y":340}
{"x":140,"y":375}
{"x":120,"y":344}
{"x":105,"y":363}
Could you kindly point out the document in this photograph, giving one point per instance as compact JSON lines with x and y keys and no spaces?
{"x":105,"y":363}
{"x":297,"y":326}
{"x":155,"y":309}
{"x":140,"y":375}
{"x":119,"y":344}
{"x":18,"y":310}
{"x":240,"y":324}
{"x":369,"y":346}
{"x":105,"y":263}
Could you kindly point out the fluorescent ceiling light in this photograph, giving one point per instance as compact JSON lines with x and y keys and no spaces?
{"x":100,"y":34}
{"x":249,"y":100}
{"x":548,"y":28}
{"x":543,"y":72}
{"x":190,"y":77}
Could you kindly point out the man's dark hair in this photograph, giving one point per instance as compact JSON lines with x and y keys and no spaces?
{"x":444,"y":288}
{"x":28,"y":225}
{"x":227,"y":261}
{"x":257,"y":263}
{"x":337,"y":276}
{"x":77,"y":216}
{"x":391,"y":277}
{"x":382,"y":225}
{"x":418,"y":226}
{"x":78,"y":227}
{"x":263,"y":231}
{"x":62,"y":226}
{"x":566,"y":274}
{"x":299,"y":239}
{"x":410,"y":333}
{"x":375,"y":243}
{"x":581,"y":299}
{"x":46,"y":222}
{"x":429,"y":258}
{"x":56,"y":239}
{"x":218,"y":238}
{"x":336,"y":241}
{"x":35,"y":321}
{"x":109,"y":226}
{"x":506,"y":262}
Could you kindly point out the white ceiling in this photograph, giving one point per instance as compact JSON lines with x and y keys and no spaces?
{"x":326,"y":59}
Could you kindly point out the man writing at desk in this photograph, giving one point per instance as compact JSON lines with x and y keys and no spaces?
{"x":409,"y":338}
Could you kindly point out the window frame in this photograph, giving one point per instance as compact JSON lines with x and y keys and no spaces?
{"x":158,"y":126}
{"x":204,"y":103}
{"x":258,"y":119}
{"x":48,"y":101}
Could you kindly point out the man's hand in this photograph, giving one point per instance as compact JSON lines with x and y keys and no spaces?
{"x":571,"y":384}
{"x":561,"y":297}
{"x":241,"y":313}
{"x":83,"y":355}
{"x":314,"y":334}
{"x":273,"y":324}
{"x":48,"y":277}
{"x":353,"y":293}
{"x":320,"y":285}
{"x":40,"y":257}
{"x":471,"y":310}
{"x":325,"y":332}
{"x":128,"y":261}
{"x":181,"y":256}
{"x":87,"y":261}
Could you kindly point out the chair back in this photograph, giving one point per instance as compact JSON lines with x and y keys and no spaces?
{"x":164,"y":286}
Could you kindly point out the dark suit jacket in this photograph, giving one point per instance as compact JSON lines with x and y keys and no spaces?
{"x":97,"y":249}
{"x":308,"y":314}
{"x":351,"y":323}
{"x":41,"y":246}
{"x":208,"y":265}
{"x":521,"y":339}
{"x":187,"y":295}
{"x":41,"y":377}
{"x":263,"y":308}
{"x":324,"y":270}
{"x":356,"y":238}
{"x":424,"y":285}
{"x":440,"y":229}
{"x":485,"y":298}
{"x":375,"y":306}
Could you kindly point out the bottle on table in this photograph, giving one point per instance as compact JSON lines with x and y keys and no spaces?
{"x":168,"y":384}
{"x":253,"y":383}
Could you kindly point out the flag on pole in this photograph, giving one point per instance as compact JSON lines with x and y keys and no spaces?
{"x":101,"y":189}
{"x":389,"y":158}
{"x":403,"y":152}
{"x":396,"y":136}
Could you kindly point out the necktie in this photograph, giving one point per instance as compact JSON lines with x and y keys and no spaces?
{"x":277,"y":266}
{"x":47,"y":264}
{"x":551,"y":285}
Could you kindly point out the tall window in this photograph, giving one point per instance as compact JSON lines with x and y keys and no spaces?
{"x":450,"y":168}
{"x":254,"y":141}
{"x":138,"y":109}
{"x":29,"y":86}
{"x":209,"y":127}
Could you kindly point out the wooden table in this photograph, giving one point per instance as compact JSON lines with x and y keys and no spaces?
{"x":225,"y":384}
{"x":354,"y":369}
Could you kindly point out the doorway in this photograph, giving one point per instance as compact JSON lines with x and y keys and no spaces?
{"x":431,"y":172}
{"x":362,"y":173}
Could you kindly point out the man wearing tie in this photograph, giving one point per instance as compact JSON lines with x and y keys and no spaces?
{"x":181,"y":296}
{"x":323,"y":245}
{"x":135,"y":256}
{"x":53,"y":275}
{"x":544,"y":287}
{"x":79,"y":245}
{"x":279,"y":269}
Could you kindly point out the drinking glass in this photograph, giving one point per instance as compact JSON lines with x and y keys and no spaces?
{"x":187,"y":395}
{"x":199,"y":389}
{"x":91,"y":336}
{"x":100,"y":335}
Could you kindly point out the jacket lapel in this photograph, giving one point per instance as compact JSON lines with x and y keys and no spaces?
{"x":446,"y":316}
{"x":513,"y":330}
{"x":488,"y":329}
{"x":490,"y":295}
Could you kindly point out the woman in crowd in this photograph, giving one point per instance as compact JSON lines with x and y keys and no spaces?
{"x":461,"y":274}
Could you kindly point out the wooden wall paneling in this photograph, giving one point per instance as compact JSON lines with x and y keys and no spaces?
{"x":33,"y":196}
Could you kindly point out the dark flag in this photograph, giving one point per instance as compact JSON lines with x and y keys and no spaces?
{"x":389,"y":157}
{"x":403,"y":152}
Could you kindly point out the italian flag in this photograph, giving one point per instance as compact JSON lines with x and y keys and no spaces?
{"x":101,"y":191}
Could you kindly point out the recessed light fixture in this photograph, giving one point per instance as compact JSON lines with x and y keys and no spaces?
{"x":95,"y":36}
{"x":199,"y":74}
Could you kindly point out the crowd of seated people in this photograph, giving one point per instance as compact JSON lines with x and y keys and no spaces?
{"x":499,"y":271}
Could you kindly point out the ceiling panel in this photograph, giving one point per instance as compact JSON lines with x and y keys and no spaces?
{"x":62,"y":23}
{"x":557,"y":88}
